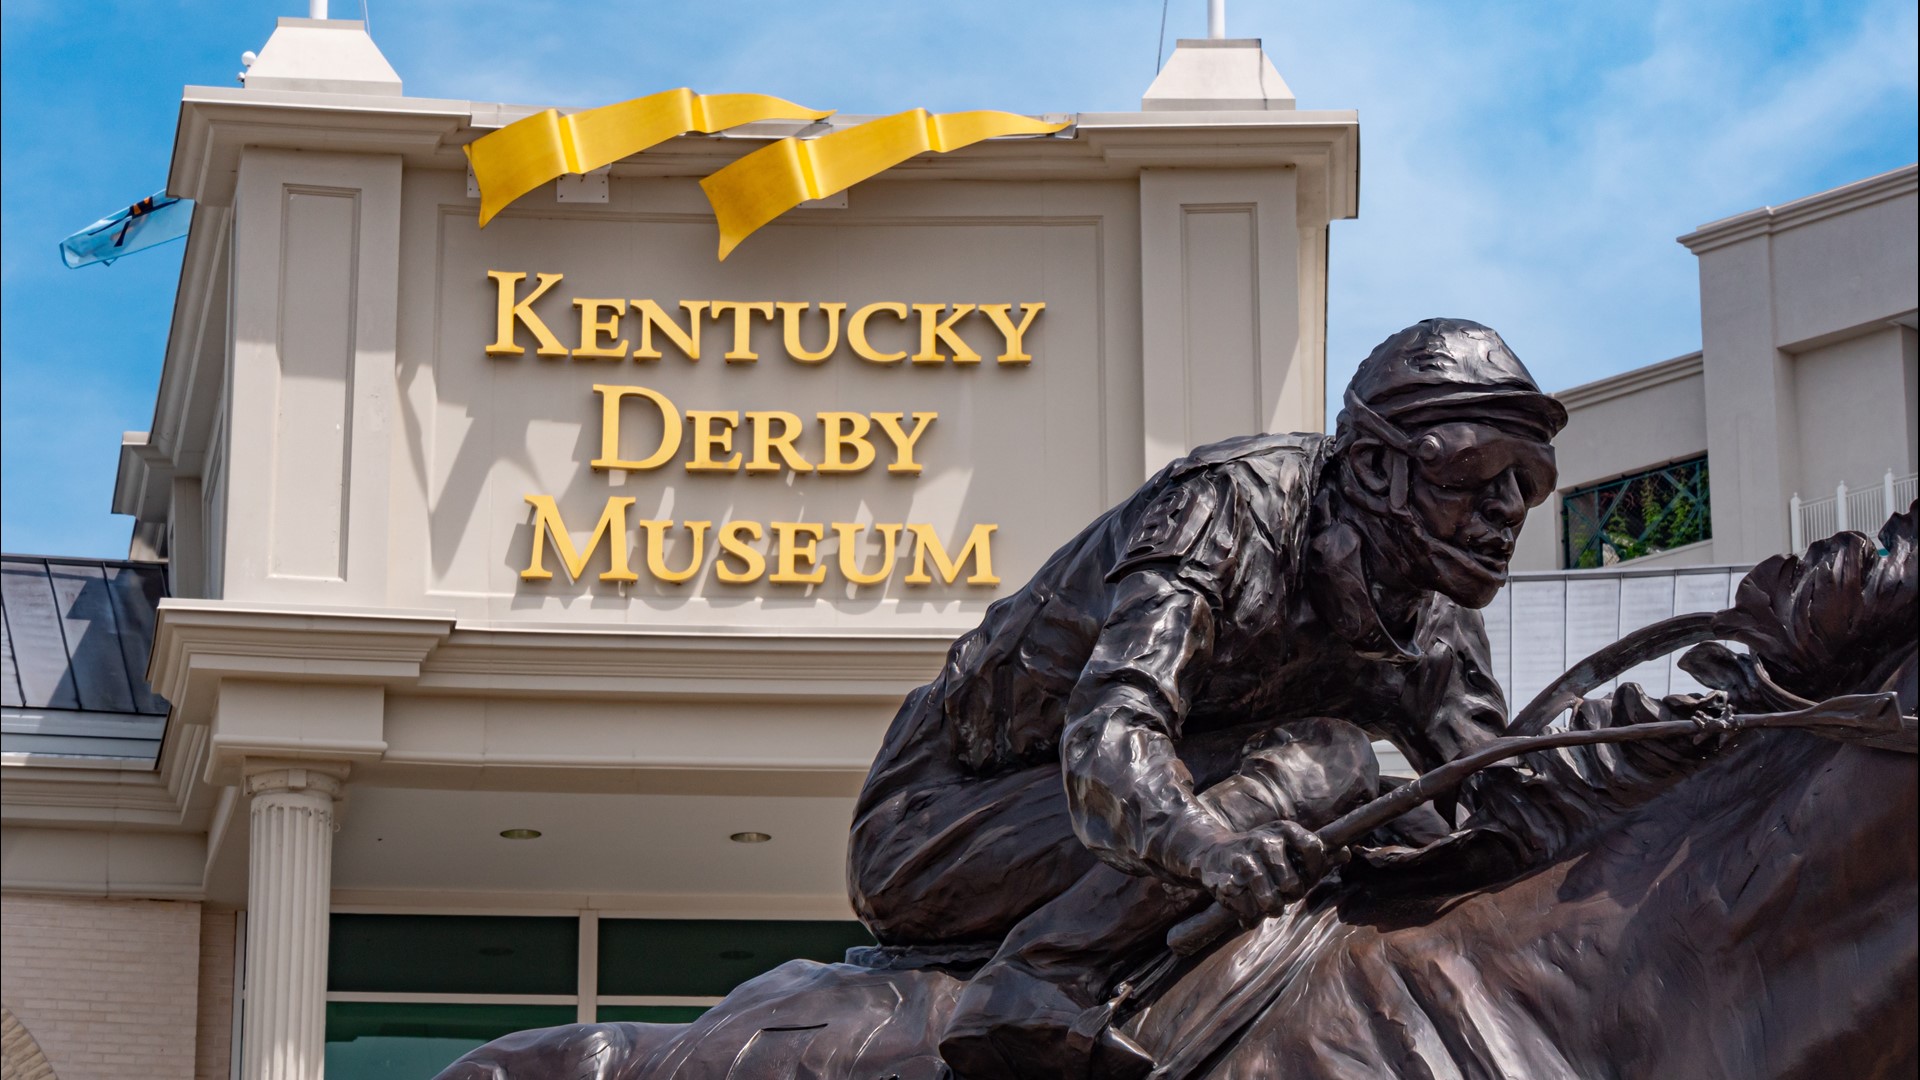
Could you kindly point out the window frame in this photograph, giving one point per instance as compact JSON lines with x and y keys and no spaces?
{"x":1698,"y":490}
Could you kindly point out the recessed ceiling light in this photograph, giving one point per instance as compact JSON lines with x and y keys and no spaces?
{"x":520,"y":834}
{"x":750,"y":838}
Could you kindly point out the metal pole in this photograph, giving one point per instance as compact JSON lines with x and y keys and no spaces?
{"x":1840,"y":508}
{"x":1887,"y":509}
{"x":316,"y":9}
{"x":1216,"y":19}
{"x":1799,"y":530}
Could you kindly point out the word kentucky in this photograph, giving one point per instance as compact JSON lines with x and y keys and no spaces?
{"x":612,"y":328}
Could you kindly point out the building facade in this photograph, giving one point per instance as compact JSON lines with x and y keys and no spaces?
{"x":536,"y":595}
{"x":512,"y":613}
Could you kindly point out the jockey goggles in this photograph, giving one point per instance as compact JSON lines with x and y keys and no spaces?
{"x":1465,"y":455}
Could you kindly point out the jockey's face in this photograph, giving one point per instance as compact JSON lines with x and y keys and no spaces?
{"x":1469,"y":488}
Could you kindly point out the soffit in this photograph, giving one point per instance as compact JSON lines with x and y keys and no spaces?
{"x":597,"y":845}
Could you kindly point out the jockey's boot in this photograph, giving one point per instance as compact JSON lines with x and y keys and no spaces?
{"x":1010,"y":1024}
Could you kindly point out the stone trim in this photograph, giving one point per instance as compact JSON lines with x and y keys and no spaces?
{"x":20,"y":1056}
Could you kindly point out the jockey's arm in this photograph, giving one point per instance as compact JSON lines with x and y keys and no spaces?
{"x":1131,"y":798}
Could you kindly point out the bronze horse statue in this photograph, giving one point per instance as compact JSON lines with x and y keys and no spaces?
{"x":1741,"y":911}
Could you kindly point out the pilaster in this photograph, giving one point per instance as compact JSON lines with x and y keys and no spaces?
{"x":1223,"y":348}
{"x":290,"y":876}
{"x":311,"y":401}
{"x":1753,"y":438}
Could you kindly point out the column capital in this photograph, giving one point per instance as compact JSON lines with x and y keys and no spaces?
{"x":281,"y":774}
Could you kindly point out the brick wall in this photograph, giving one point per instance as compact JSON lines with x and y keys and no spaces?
{"x":108,"y":988}
{"x":214,"y":1049}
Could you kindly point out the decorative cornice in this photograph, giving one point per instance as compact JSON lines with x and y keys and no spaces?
{"x":683,"y":665}
{"x":1773,"y":219}
{"x":197,"y":643}
{"x":217,"y":123}
{"x":1631,"y":382}
{"x":143,"y":481}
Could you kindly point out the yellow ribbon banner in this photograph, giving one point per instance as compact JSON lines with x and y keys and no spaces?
{"x":774,"y":179}
{"x":546,"y":146}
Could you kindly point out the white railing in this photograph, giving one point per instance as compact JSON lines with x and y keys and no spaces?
{"x":1863,"y":509}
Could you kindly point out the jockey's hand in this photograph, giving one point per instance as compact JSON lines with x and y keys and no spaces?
{"x":1257,"y":873}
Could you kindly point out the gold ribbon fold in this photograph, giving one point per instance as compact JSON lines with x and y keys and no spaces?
{"x":546,"y":146}
{"x":773,"y":180}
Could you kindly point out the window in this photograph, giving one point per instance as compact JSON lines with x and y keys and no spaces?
{"x":408,"y":994}
{"x":1655,"y":510}
{"x":653,"y":959}
{"x":375,"y":1040}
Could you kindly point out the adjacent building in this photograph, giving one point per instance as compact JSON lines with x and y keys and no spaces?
{"x":1796,"y":419}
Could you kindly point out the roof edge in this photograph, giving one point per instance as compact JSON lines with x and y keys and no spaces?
{"x":1770,"y":219}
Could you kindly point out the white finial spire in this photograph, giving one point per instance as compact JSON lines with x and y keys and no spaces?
{"x":321,"y":55}
{"x":1218,"y":74}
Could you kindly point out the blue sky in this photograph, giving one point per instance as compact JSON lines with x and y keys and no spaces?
{"x":1524,"y":164}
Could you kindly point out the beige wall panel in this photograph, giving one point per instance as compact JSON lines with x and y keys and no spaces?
{"x":1220,"y":253}
{"x":1036,"y":449}
{"x":1223,"y":351}
{"x":315,"y":272}
{"x":1635,"y":431}
{"x":307,"y":533}
{"x":1846,"y":270}
{"x":108,"y":988}
{"x":1851,"y":427}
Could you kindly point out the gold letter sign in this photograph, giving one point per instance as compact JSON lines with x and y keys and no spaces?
{"x":545,"y":146}
{"x":774,"y":179}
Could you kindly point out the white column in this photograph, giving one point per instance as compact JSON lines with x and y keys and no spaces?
{"x":290,"y":876}
{"x":1840,"y":507}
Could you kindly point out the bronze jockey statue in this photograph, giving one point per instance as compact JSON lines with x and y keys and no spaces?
{"x":1156,"y":720}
